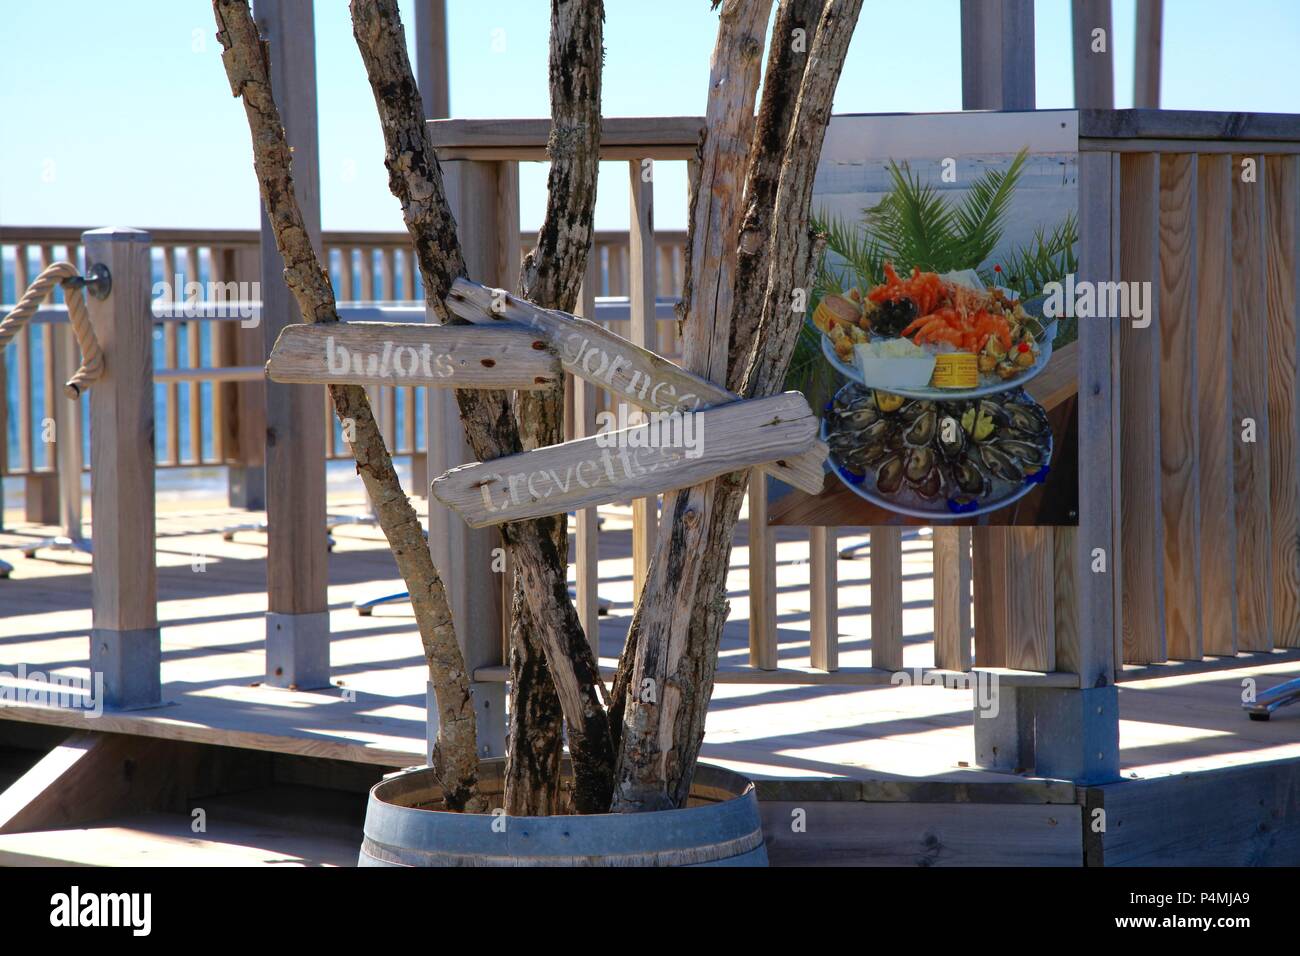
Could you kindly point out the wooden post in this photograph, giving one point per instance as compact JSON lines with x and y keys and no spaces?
{"x":1069,"y":733}
{"x":997,"y":54}
{"x":125,"y":642}
{"x":297,"y":620}
{"x":641,"y":298}
{"x":431,"y":57}
{"x":463,"y":555}
{"x":1146,"y":54}
{"x":1094,"y":55}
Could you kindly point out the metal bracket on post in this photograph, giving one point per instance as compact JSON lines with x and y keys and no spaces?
{"x":98,"y":281}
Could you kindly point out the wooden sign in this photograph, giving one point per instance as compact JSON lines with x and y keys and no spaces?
{"x":669,"y":451}
{"x":610,"y":361}
{"x":389,"y":353}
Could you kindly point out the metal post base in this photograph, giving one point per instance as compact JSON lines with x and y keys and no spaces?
{"x":1063,"y":733}
{"x":489,"y":699}
{"x":298,"y":650}
{"x":1270,"y":700}
{"x":1004,"y":738}
{"x":131,"y":663}
{"x":59,"y":543}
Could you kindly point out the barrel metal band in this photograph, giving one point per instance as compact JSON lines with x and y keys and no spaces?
{"x":403,"y":856}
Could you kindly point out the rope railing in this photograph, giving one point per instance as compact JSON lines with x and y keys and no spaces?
{"x":67,"y":275}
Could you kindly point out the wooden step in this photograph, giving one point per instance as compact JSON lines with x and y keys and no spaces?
{"x":166,"y":839}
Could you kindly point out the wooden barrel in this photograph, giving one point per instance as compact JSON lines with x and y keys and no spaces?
{"x":405,"y":826}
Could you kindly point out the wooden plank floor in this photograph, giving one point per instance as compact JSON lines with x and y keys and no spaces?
{"x":213,"y":664}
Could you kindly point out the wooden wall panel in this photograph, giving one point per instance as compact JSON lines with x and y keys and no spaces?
{"x":1250,"y":401}
{"x":1180,"y":488}
{"x":1141,"y":521}
{"x":1031,"y":594}
{"x":1216,"y":433}
{"x":952,"y":598}
{"x":1282,"y":183}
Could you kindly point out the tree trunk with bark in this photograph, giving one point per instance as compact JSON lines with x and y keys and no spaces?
{"x":552,"y":277}
{"x":455,"y":758}
{"x":679,"y":616}
{"x":490,"y":426}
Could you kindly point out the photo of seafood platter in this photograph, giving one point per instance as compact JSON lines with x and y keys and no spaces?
{"x":948,"y":393}
{"x":937,"y":458}
{"x":933,"y":336}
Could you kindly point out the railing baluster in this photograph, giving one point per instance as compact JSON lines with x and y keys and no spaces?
{"x":823,"y":599}
{"x":24,"y":343}
{"x":171,"y":357}
{"x":886,"y":598}
{"x":763,"y":649}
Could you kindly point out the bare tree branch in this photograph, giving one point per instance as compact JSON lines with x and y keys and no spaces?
{"x":667,"y":602}
{"x":416,"y":181}
{"x":679,"y":627}
{"x":552,"y":278}
{"x":792,"y":37}
{"x":246,"y":63}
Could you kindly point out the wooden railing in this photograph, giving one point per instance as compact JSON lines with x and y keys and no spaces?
{"x":1196,"y":457}
{"x":205,"y":418}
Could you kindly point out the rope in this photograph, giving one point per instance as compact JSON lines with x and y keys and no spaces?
{"x":65,"y":274}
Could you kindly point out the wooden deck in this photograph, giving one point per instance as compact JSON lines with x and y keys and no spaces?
{"x":213,"y":664}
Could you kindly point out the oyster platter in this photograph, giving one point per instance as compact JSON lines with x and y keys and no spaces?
{"x":929,"y":459}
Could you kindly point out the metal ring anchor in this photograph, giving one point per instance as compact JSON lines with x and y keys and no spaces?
{"x":97,"y":281}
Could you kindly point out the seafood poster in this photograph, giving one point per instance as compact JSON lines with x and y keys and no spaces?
{"x":947,"y":389}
